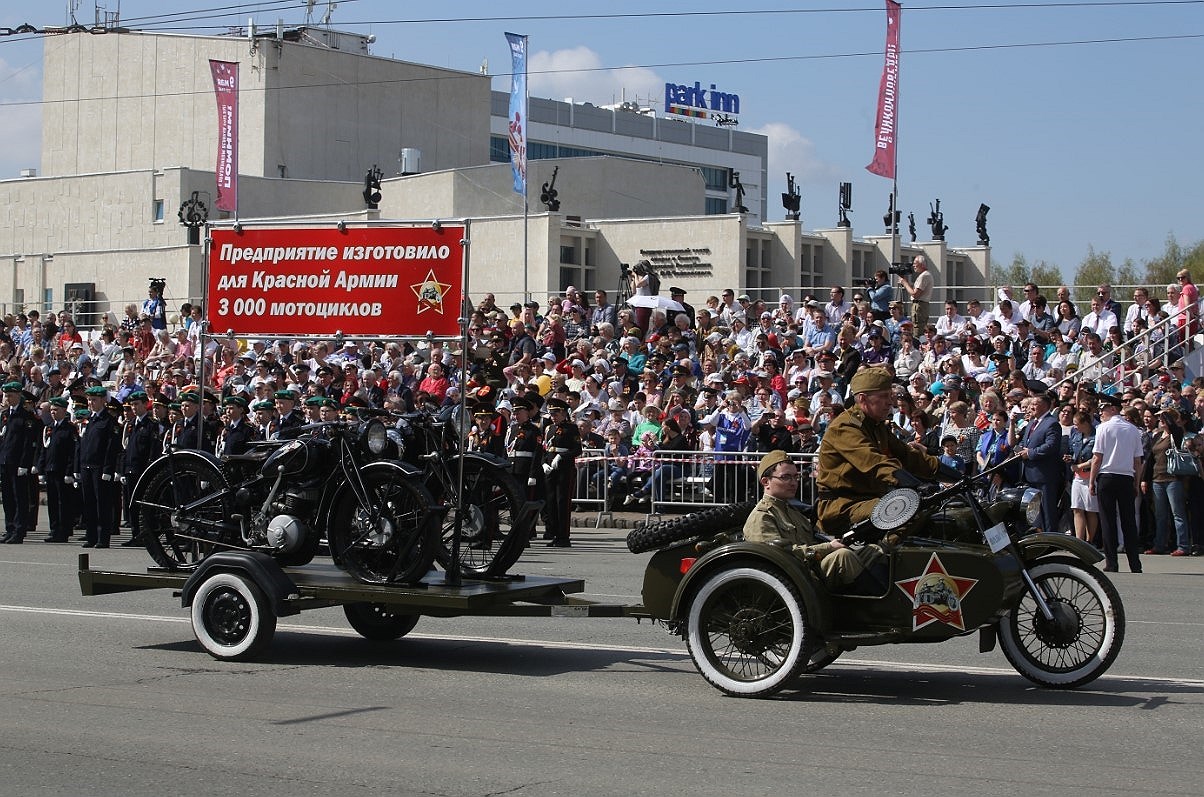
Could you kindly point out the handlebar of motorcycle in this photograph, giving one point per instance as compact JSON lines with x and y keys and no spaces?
{"x":967,"y":481}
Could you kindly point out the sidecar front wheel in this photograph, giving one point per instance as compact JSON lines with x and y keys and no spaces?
{"x":746,"y":631}
{"x":1086,"y":632}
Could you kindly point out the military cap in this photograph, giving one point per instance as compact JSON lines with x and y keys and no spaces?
{"x":770,"y":461}
{"x":557,"y":404}
{"x":1111,"y":399}
{"x":679,"y":370}
{"x":313,"y":401}
{"x":330,"y":403}
{"x":11,"y":387}
{"x":81,"y":413}
{"x":237,"y":401}
{"x":522,"y":404}
{"x":263,"y":405}
{"x":137,"y":395}
{"x":26,"y":396}
{"x":1035,"y":386}
{"x":95,"y":390}
{"x":191,"y":396}
{"x":483,"y":410}
{"x":868,"y":380}
{"x":175,"y":405}
{"x":58,"y":401}
{"x":288,"y":395}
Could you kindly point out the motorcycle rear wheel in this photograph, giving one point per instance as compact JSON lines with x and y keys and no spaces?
{"x":492,"y":503}
{"x":1085,"y":636}
{"x":173,"y":484}
{"x":390,"y":541}
{"x":746,"y":630}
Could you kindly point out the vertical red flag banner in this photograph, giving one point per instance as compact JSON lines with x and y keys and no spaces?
{"x":370,"y":281}
{"x":885,"y":131}
{"x":225,"y":85}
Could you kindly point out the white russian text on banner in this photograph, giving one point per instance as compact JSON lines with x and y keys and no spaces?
{"x":885,"y":129}
{"x":225,"y":85}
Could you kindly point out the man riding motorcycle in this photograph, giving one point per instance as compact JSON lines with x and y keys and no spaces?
{"x":860,"y":459}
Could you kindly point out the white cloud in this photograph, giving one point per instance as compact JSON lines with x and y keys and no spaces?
{"x":791,"y":151}
{"x":578,"y":73}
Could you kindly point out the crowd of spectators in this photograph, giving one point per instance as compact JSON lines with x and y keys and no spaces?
{"x":735,"y":374}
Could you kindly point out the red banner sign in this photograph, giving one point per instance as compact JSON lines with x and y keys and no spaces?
{"x":885,"y":131}
{"x":372,"y":281}
{"x":225,"y":85}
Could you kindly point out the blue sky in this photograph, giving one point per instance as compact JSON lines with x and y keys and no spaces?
{"x":1071,"y":145}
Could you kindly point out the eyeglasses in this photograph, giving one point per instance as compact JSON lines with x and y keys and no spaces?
{"x":788,"y":477}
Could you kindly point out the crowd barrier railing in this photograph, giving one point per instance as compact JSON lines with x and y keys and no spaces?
{"x":683,"y":481}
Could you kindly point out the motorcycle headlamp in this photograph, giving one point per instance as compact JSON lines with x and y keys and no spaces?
{"x":376,"y":437}
{"x":1030,"y":501}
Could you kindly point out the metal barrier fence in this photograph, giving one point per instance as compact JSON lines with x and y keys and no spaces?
{"x":677,"y":481}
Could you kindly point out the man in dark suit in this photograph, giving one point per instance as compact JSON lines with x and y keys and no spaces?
{"x":56,"y":462}
{"x":97,"y":466}
{"x":16,"y":460}
{"x":1041,"y":452}
{"x":142,"y":444}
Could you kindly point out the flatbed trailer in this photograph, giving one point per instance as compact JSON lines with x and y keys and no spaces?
{"x":236,"y":597}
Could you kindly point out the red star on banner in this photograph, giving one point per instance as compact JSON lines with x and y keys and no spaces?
{"x":430,"y":293}
{"x":936,"y":596}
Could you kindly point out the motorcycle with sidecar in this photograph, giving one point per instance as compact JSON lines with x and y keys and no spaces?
{"x":755,"y":616}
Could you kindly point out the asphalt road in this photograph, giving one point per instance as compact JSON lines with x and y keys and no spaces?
{"x":112,"y":695}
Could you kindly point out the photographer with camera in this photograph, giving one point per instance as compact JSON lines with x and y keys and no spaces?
{"x":920,"y":291}
{"x":879,"y":293}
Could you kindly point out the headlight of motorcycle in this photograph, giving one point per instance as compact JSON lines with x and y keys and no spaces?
{"x":1031,"y":502}
{"x":376,"y":437}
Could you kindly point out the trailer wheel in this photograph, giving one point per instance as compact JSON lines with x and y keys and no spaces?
{"x":379,"y":622}
{"x":231,"y":618}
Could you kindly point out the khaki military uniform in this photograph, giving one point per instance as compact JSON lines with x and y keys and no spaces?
{"x":857,"y":462}
{"x":774,"y":519}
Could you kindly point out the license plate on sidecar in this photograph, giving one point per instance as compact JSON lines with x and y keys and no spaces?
{"x":997,"y":537}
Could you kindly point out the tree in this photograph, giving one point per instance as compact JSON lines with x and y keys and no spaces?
{"x":1161,"y":270}
{"x":1095,"y":269}
{"x":1044,"y":275}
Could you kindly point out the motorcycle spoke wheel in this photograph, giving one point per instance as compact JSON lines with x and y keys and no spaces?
{"x":389,"y":540}
{"x":490,"y":542}
{"x":746,"y":630}
{"x":1085,"y":635}
{"x":184,"y":481}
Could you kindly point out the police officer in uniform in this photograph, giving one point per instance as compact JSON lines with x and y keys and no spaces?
{"x":237,"y":432}
{"x":860,"y":458}
{"x":37,"y":424}
{"x":97,"y":464}
{"x":56,"y":463}
{"x":288,"y":418}
{"x":16,"y":460}
{"x":562,"y":445}
{"x":524,"y":449}
{"x":185,"y":434}
{"x":141,"y":443}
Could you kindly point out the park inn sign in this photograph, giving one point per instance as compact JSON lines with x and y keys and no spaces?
{"x":686,"y":100}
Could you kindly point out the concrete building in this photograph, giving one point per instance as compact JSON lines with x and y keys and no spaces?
{"x":129,"y":135}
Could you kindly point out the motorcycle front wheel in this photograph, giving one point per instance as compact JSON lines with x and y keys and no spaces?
{"x":172,"y":484}
{"x":1086,"y":632}
{"x":391,"y":539}
{"x":746,"y":631}
{"x":491,"y":505}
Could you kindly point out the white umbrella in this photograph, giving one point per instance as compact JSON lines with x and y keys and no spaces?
{"x":655,"y":302}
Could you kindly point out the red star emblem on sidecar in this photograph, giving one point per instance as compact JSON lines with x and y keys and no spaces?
{"x":936,"y":596}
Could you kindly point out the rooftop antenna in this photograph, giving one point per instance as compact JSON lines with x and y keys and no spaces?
{"x":309,"y":12}
{"x":331,"y":5}
{"x":72,"y":5}
{"x":484,"y":66}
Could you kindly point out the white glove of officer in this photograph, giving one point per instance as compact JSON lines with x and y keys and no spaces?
{"x":106,"y":477}
{"x":531,"y":482}
{"x":555,"y":462}
{"x":34,"y":470}
{"x":119,"y":478}
{"x":69,"y":481}
{"x":547,"y":469}
{"x":22,"y":471}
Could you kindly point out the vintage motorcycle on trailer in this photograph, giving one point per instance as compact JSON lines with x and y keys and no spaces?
{"x":284,"y":496}
{"x":754,"y":616}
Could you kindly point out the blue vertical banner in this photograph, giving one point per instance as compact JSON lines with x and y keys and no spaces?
{"x":518,"y":110}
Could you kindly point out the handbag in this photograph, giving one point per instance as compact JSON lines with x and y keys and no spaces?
{"x":1181,"y":463}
